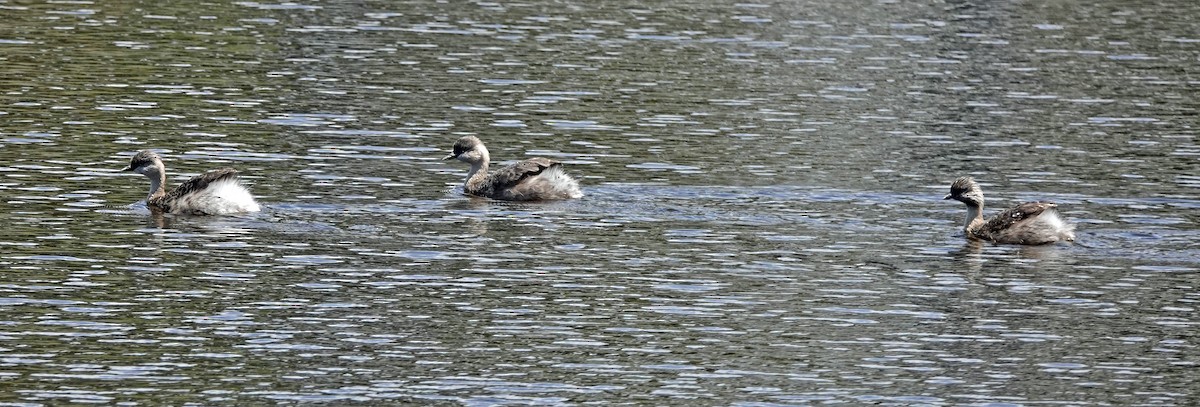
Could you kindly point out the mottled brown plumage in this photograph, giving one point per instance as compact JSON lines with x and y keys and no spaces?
{"x":1028,"y":223}
{"x":191,"y":186}
{"x":510,"y":178}
{"x":1006,"y":225}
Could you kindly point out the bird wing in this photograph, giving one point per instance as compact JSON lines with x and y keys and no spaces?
{"x":512,"y":175}
{"x":200,"y":182}
{"x":1005,"y":220}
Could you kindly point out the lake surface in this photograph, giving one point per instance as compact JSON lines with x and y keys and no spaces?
{"x":762,"y":225}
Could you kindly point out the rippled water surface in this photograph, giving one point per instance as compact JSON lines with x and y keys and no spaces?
{"x":763,"y":222}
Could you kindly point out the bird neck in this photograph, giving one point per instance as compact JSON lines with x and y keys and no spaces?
{"x":158,"y":178}
{"x":974,"y":215}
{"x":477,"y":174}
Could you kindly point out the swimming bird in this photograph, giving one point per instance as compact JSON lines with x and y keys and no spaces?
{"x":213,"y":193}
{"x":535,"y":179}
{"x":1028,"y":223}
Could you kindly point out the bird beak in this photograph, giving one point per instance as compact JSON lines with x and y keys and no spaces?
{"x":128,"y":168}
{"x":947,"y":197}
{"x":449,"y":157}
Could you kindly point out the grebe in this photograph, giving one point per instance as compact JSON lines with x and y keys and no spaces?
{"x":1027,"y":223}
{"x":214,"y":193}
{"x":535,"y":179}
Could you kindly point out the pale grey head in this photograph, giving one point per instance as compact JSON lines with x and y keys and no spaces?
{"x":965,"y":190}
{"x":145,"y":162}
{"x":469,"y":149}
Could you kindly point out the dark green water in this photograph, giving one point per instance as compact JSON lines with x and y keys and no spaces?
{"x":763,"y":222}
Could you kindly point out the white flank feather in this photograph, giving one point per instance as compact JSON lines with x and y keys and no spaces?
{"x":560,"y":181}
{"x":219,"y":198}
